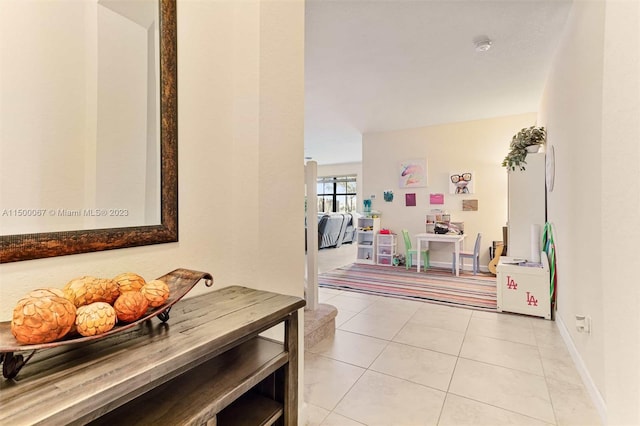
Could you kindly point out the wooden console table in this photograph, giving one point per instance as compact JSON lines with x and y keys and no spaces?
{"x":207,"y":365}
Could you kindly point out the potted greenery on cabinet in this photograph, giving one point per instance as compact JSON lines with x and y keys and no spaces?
{"x":525,"y":141}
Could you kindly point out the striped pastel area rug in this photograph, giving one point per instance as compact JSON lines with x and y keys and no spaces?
{"x":436,"y":285}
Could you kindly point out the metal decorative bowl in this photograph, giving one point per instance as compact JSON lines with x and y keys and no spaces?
{"x":180,"y":282}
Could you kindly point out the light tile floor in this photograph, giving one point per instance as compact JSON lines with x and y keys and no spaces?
{"x":399,"y":362}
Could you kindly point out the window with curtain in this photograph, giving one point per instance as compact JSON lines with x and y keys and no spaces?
{"x":337,"y":194}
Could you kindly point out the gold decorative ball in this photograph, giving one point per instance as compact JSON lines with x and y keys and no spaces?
{"x":129,"y":281}
{"x":42,"y":316}
{"x":130,"y":306}
{"x":86,"y":290}
{"x":96,"y":318}
{"x":156,"y":292}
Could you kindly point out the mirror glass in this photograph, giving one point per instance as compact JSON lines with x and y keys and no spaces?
{"x":88,"y":134}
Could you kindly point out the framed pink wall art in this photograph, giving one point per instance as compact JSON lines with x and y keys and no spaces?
{"x":413,"y":173}
{"x":436,"y":198}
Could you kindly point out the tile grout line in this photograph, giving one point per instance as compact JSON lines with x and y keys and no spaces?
{"x":446,"y":395}
{"x":546,"y":382}
{"x":458,"y":357}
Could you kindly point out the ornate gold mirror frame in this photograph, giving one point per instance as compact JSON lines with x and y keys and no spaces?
{"x":49,"y":244}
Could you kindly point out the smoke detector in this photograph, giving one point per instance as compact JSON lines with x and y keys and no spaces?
{"x":482,"y":43}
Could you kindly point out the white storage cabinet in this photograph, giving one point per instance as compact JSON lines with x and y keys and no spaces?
{"x":524,"y":289}
{"x":386,"y":248}
{"x":367,"y":228}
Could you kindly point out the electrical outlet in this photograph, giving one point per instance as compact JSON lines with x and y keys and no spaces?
{"x":583,"y":324}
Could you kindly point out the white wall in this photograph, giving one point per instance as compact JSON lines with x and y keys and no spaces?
{"x":477,"y":146}
{"x":591,"y":107}
{"x":241,"y":178}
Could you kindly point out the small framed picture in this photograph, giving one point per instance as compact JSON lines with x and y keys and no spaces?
{"x":410,"y":200}
{"x":469,"y":205}
{"x":436,"y":198}
{"x":461,"y":182}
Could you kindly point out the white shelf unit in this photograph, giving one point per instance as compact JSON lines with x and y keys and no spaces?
{"x":367,"y":229}
{"x":386,"y":248}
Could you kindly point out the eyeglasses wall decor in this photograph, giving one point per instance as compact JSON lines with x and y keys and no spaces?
{"x":461,"y":182}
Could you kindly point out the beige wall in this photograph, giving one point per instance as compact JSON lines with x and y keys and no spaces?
{"x":591,"y":107}
{"x":621,"y":159}
{"x":340,"y":169}
{"x":573,"y":206}
{"x":241,"y":178}
{"x":476,"y":146}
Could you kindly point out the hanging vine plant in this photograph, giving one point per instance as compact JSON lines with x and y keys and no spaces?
{"x":519,"y":146}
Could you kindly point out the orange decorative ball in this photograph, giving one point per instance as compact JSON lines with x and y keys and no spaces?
{"x":86,"y":290}
{"x":130,"y":306}
{"x":42,"y":316}
{"x":156,"y":292}
{"x":129,"y":281}
{"x":51,"y":291}
{"x":96,"y":318}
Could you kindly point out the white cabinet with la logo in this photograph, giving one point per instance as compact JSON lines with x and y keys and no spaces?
{"x":523,"y":287}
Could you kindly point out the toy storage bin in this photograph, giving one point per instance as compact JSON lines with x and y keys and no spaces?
{"x":523,"y":288}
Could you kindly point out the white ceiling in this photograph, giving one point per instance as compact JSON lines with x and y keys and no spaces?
{"x":374,"y":65}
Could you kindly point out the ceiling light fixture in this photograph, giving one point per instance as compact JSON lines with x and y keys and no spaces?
{"x":482,"y":43}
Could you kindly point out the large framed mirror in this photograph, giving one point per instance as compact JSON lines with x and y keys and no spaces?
{"x":32,"y":228}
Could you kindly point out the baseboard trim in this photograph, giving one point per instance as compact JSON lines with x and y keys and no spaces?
{"x":467,"y":266}
{"x":588,"y":382}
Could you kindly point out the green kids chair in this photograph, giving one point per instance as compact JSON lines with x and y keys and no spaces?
{"x":410,"y":252}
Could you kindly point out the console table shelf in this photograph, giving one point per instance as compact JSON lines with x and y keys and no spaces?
{"x":203,"y":366}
